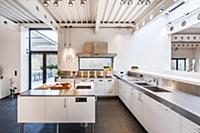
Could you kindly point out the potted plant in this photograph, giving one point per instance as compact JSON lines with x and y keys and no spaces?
{"x":59,"y":74}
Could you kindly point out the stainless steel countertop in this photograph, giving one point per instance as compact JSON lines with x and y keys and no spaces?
{"x":183,"y":103}
{"x":64,"y":92}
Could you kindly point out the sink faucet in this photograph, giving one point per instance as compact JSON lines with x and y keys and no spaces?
{"x":155,"y":81}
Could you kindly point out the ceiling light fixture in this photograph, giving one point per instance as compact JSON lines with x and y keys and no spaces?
{"x":55,"y":3}
{"x":45,"y":3}
{"x":70,"y":3}
{"x":130,"y":2}
{"x":146,"y":2}
{"x":82,"y":3}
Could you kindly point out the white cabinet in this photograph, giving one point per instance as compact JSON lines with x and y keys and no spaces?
{"x":31,"y":109}
{"x":124,"y":93}
{"x":110,"y":87}
{"x":131,"y":101}
{"x":81,"y":109}
{"x":99,"y":87}
{"x":157,"y":118}
{"x":56,"y":109}
{"x":137,"y":104}
{"x":4,"y":88}
{"x":188,"y":126}
{"x":105,"y":87}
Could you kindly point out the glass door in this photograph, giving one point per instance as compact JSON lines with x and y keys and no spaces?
{"x":42,"y":57}
{"x":51,"y":67}
{"x":36,"y":70}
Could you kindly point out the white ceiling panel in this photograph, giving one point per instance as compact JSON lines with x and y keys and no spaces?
{"x":110,"y":12}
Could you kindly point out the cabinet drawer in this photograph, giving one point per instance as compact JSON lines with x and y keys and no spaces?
{"x":81,"y":109}
{"x":56,"y":109}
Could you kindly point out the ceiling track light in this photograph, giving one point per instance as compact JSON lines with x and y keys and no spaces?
{"x":45,"y":3}
{"x":82,"y":3}
{"x":140,"y":2}
{"x":70,"y":3}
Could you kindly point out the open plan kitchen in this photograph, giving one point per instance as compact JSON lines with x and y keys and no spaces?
{"x":99,"y":66}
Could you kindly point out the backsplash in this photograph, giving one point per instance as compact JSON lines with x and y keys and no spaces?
{"x":170,"y":84}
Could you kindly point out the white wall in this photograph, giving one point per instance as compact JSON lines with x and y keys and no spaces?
{"x":119,"y":42}
{"x":10,"y":53}
{"x":24,"y":59}
{"x":149,"y":48}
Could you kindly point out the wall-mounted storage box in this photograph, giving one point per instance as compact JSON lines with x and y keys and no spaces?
{"x":96,"y":48}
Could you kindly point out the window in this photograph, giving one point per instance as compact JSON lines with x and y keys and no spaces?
{"x":179,"y":64}
{"x":87,"y":63}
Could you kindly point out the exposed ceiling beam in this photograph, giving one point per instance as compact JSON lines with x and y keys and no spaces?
{"x":112,"y":8}
{"x":105,"y":10}
{"x":99,"y":14}
{"x":102,"y":25}
{"x":35,"y":7}
{"x":8,"y":24}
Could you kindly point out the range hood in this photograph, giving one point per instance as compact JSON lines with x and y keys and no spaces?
{"x":96,"y":49}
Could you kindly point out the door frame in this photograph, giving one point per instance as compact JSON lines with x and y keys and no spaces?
{"x":44,"y":53}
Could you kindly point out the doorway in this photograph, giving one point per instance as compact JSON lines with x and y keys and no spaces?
{"x":43,"y":58}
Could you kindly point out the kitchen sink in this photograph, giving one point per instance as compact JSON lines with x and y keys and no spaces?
{"x":156,"y":89}
{"x":83,"y":87}
{"x":142,"y":84}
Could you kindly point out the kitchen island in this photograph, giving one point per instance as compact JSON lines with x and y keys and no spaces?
{"x":73,"y":105}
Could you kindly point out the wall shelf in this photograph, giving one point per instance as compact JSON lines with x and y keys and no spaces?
{"x":109,"y":55}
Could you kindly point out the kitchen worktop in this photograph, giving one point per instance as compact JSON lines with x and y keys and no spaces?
{"x":183,"y":103}
{"x":80,"y":77}
{"x":61,"y":92}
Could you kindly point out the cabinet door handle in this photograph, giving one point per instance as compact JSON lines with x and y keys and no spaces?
{"x":132,"y":93}
{"x":65,"y":104}
{"x":139,"y":97}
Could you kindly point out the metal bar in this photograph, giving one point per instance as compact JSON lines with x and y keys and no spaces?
{"x":66,"y":7}
{"x":21,"y":127}
{"x":57,"y":128}
{"x":78,"y":11}
{"x":105,"y":10}
{"x":119,"y":20}
{"x":117,"y":13}
{"x":115,"y":1}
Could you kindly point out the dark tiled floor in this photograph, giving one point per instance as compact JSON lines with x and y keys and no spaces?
{"x":112,"y":117}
